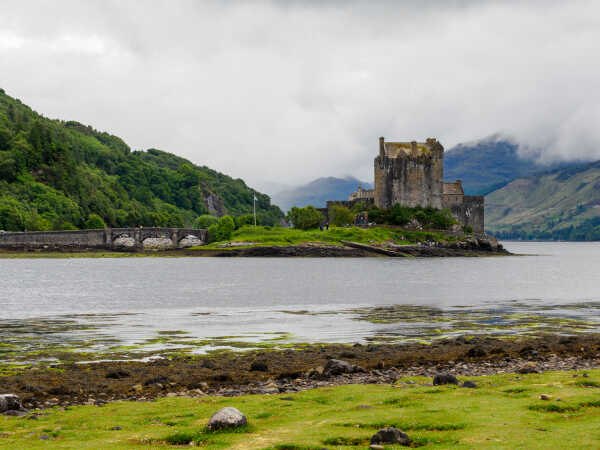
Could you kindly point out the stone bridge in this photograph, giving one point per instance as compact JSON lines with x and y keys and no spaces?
{"x":109,"y":238}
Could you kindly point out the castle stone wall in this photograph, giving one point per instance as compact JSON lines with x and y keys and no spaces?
{"x":449,"y":200}
{"x":414,"y":178}
{"x":470,"y":212}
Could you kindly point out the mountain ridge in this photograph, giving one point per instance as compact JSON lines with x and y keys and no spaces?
{"x":487,"y":164}
{"x":557,"y":204}
{"x":318,"y":191}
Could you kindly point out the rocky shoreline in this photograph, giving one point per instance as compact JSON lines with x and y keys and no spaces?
{"x":469,"y":247}
{"x":282,"y":371}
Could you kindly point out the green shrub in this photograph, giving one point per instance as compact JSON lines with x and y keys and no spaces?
{"x":213,"y":231}
{"x":222,"y":230}
{"x":340,"y":216}
{"x":342,"y":440}
{"x":442,"y":220}
{"x":204,"y":221}
{"x":401,"y":215}
{"x":245,"y":219}
{"x":305,"y":218}
{"x":359,"y":207}
{"x":67,"y":226}
{"x":94,"y":222}
{"x":180,"y":438}
{"x":553,"y":407}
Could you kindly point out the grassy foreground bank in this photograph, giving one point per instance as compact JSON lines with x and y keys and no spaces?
{"x":504,"y":411}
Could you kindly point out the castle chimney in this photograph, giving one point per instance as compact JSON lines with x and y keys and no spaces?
{"x":381,"y":147}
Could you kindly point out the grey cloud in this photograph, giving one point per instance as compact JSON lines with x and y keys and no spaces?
{"x":288,"y":91}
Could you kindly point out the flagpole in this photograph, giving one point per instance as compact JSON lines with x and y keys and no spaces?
{"x":254,"y":202}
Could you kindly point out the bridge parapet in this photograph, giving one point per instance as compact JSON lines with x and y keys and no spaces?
{"x":109,"y":238}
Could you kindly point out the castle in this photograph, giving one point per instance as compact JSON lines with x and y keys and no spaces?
{"x":412,"y":174}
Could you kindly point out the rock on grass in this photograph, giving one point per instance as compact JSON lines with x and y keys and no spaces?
{"x":227,"y":418}
{"x":444,"y":378}
{"x":390,"y":435}
{"x":9,"y":402}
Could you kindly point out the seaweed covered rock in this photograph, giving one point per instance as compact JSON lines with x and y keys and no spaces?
{"x":337,"y":367}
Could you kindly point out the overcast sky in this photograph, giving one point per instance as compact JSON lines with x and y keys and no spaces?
{"x":287,"y":91}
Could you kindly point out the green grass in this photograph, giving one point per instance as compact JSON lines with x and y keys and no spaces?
{"x":486,"y":417}
{"x":290,"y":236}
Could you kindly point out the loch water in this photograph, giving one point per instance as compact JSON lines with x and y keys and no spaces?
{"x":110,"y":302}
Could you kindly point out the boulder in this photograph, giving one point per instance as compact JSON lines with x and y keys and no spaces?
{"x":476,"y":352}
{"x":469,"y":384}
{"x":259,"y":366}
{"x":16,"y":412}
{"x":9,"y":402}
{"x":444,"y":378}
{"x":337,"y":367}
{"x":270,"y":388}
{"x":529,"y":367}
{"x":227,"y":418}
{"x":117,"y":374}
{"x":390,"y":435}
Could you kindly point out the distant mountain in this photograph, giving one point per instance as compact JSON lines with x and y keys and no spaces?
{"x":487,"y":164}
{"x":561,"y":204}
{"x":317,"y":192}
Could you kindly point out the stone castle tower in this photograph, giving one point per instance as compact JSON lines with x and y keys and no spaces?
{"x":409,"y":173}
{"x":412,"y":174}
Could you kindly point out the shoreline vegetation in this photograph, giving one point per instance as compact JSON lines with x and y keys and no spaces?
{"x":343,"y":393}
{"x":248,"y":240}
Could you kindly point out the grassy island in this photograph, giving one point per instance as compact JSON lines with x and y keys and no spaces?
{"x":259,"y":235}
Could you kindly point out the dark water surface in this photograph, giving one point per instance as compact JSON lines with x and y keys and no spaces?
{"x":102,"y":304}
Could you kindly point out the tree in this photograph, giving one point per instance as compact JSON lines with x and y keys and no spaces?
{"x":340,"y":216}
{"x":94,"y":222}
{"x":305,"y":218}
{"x":205,"y":221}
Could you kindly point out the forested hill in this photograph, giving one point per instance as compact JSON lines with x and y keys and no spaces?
{"x":56,"y":174}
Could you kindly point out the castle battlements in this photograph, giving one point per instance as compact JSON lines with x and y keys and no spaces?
{"x":431,"y":148}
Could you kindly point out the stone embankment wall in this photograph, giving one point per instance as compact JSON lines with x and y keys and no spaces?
{"x":109,"y":238}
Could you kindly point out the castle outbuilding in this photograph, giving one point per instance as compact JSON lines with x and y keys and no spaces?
{"x":412,"y":174}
